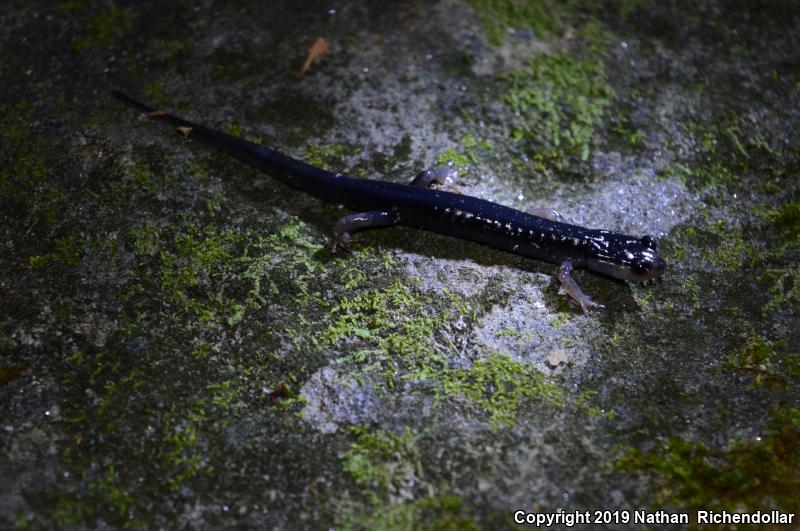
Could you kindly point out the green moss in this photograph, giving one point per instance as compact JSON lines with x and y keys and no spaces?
{"x":104,"y":28}
{"x":154,"y":92}
{"x":451,"y":156}
{"x":786,"y":219}
{"x":501,"y":385}
{"x":733,"y":132}
{"x":31,"y":200}
{"x":217,"y":276}
{"x":329,"y":156}
{"x":594,"y":38}
{"x":214,"y":203}
{"x":470,"y":145}
{"x":629,"y":7}
{"x":382,"y":463}
{"x":102,"y":496}
{"x":390,"y":327}
{"x":139,"y":183}
{"x":109,"y":490}
{"x":497,"y":16}
{"x":634,"y":138}
{"x":769,"y":366}
{"x":747,"y":476}
{"x":725,"y":246}
{"x":784,"y":287}
{"x":559,"y":100}
{"x":142,"y":177}
{"x":391,"y":331}
{"x":732,"y":136}
{"x":238,"y":131}
{"x":183,"y":459}
{"x":113,"y":379}
{"x":66,"y":7}
{"x":432,"y":513}
{"x":198,"y":253}
{"x":225,"y":395}
{"x":387,"y":467}
{"x":353,"y":274}
{"x":402,"y":151}
{"x":715,"y":180}
{"x":782,"y":273}
{"x":560,"y":319}
{"x":67,"y":253}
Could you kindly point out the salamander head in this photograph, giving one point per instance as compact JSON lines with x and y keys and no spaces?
{"x":624,"y":257}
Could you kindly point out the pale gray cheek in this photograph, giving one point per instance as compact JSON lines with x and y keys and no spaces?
{"x":612,"y":269}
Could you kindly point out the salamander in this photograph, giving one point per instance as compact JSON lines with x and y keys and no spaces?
{"x":542,"y":236}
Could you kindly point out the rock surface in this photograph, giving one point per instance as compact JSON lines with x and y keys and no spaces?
{"x":179,"y":348}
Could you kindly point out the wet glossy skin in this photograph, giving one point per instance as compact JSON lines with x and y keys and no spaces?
{"x":616,"y":255}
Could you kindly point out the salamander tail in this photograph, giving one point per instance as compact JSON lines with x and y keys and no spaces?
{"x":127,"y":100}
{"x":152,"y":112}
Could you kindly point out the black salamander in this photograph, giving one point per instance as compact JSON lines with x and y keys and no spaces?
{"x":382,"y":204}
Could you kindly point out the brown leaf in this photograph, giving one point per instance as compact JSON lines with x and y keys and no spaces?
{"x":319,"y":47}
{"x":280,"y":392}
{"x":185,"y":130}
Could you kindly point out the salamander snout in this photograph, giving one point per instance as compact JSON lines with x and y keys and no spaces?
{"x":649,"y":242}
{"x":647,"y":263}
{"x":625,"y":257}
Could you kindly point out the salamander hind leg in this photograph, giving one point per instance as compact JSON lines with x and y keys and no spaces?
{"x":572,"y":288}
{"x":363,"y":220}
{"x":437,"y":175}
{"x":548,"y":213}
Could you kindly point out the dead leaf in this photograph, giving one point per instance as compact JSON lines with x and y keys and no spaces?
{"x":280,"y":392}
{"x":185,"y":130}
{"x":319,"y":47}
{"x":156,"y":114}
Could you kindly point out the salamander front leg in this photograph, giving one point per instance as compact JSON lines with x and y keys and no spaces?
{"x":572,"y":288}
{"x":362,"y":220}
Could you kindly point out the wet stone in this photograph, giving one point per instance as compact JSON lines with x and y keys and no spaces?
{"x":180,"y":349}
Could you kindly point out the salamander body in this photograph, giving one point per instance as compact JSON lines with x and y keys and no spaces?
{"x":416,"y":205}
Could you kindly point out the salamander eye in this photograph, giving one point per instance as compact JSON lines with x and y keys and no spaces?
{"x":649,"y":242}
